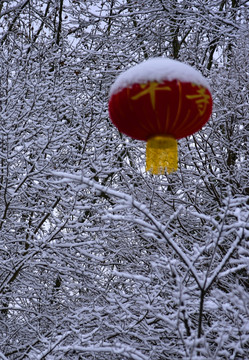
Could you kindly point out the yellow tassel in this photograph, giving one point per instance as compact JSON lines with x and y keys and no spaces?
{"x":161,"y":155}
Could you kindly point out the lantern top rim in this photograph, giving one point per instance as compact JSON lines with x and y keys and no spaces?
{"x":158,"y":69}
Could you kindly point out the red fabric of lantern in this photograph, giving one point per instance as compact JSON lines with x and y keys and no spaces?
{"x":172,"y":108}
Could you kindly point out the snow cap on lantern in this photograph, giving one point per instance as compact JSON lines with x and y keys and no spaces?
{"x":160,"y":101}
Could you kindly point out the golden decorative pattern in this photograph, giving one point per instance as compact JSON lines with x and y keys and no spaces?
{"x":150,"y":89}
{"x":202,"y":99}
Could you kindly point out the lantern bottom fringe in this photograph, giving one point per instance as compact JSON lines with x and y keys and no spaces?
{"x":161,"y":155}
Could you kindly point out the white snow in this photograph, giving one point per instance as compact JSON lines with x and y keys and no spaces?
{"x":158,"y":69}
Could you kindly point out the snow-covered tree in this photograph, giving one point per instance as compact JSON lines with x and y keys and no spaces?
{"x":99,"y":259}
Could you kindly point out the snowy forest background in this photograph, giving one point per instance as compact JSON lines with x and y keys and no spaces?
{"x":100,"y":260}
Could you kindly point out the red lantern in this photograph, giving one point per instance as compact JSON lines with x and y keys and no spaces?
{"x":160,"y":101}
